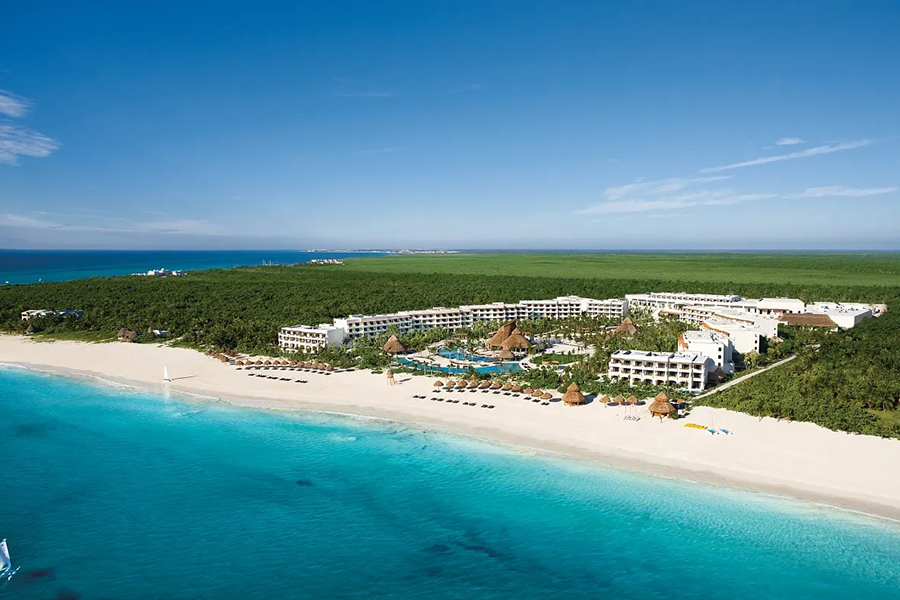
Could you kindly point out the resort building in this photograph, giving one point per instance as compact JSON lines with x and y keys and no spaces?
{"x":710,"y":344}
{"x":355,"y":326}
{"x":773,"y":307}
{"x":688,"y":371}
{"x":656,"y":301}
{"x":744,"y":337}
{"x":310,"y":339}
{"x":844,"y":315}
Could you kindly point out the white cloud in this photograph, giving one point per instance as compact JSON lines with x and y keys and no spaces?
{"x":826,"y":149}
{"x":184,"y":226}
{"x":11,"y":220}
{"x":833,"y":191}
{"x":790,"y":141}
{"x":662,"y":195}
{"x":18,"y":141}
{"x":12,"y":105}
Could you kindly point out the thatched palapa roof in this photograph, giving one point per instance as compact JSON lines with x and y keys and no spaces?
{"x":438,"y":383}
{"x":516,"y":340}
{"x":573,"y":395}
{"x":506,"y":354}
{"x":626,"y":328}
{"x":546,"y":396}
{"x":661,"y":406}
{"x":803,"y":320}
{"x":516,"y":388}
{"x":393,"y":345}
{"x":500,"y":336}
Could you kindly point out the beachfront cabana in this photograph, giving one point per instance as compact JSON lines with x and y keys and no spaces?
{"x":393,"y":346}
{"x":661,"y":406}
{"x":573,"y":395}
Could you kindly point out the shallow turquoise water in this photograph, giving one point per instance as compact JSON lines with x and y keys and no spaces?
{"x":129,"y":495}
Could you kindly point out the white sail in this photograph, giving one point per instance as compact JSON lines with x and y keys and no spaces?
{"x":5,"y":563}
{"x":166,"y":374}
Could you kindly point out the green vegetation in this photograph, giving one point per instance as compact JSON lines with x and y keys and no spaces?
{"x":794,"y":269}
{"x":845,"y":380}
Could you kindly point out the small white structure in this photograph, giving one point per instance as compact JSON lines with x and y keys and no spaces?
{"x":687,"y":371}
{"x":42,"y":312}
{"x":710,"y":344}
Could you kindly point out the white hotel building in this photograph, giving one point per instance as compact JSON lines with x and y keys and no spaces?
{"x":310,"y":338}
{"x":688,"y":371}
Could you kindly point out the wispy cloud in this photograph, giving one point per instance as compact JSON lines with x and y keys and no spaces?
{"x":12,"y":105}
{"x":184,"y":226}
{"x":364,"y":94}
{"x":835,"y":191}
{"x":667,"y":195}
{"x":16,"y":141}
{"x":790,"y":141}
{"x":825,"y":149}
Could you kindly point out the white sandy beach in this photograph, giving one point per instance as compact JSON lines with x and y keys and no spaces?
{"x":797,"y":459}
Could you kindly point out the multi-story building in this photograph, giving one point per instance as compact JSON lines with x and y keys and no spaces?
{"x":355,"y":326}
{"x":745,"y":337}
{"x":655,"y":301}
{"x":711,"y":344}
{"x":310,"y":339}
{"x":772,"y":307}
{"x":678,"y":370}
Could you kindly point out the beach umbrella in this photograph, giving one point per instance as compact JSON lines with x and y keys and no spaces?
{"x":507,"y":387}
{"x":496,"y":385}
{"x":485,"y":384}
{"x":473,"y":383}
{"x":528,"y":390}
{"x":516,"y":388}
{"x":438,"y":383}
{"x":461,"y":384}
{"x":617,"y":400}
{"x":573,"y":395}
{"x":631,"y":399}
{"x":546,"y":396}
{"x":604,"y":399}
{"x":537,"y":393}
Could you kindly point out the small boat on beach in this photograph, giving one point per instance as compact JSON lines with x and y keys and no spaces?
{"x":6,"y":568}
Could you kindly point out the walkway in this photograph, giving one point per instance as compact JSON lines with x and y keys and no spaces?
{"x":725,"y":386}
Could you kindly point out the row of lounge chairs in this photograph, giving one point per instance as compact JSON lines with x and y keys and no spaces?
{"x":453,"y":401}
{"x":275,"y":368}
{"x":276,"y":378}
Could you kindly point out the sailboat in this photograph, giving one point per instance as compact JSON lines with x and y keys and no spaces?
{"x":166,"y":374}
{"x":6,"y":570}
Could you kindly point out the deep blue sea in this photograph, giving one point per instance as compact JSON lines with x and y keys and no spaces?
{"x":31,"y":266}
{"x":119,"y":493}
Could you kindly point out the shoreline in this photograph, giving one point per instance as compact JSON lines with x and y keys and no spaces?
{"x":798,"y":461}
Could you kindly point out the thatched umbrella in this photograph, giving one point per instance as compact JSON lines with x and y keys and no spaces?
{"x":295,"y":363}
{"x":268,"y":362}
{"x":496,"y":385}
{"x":604,"y":399}
{"x":546,"y":396}
{"x":537,"y":393}
{"x":485,"y":384}
{"x":507,"y":387}
{"x":516,"y":388}
{"x":528,"y":390}
{"x":438,"y":383}
{"x":393,"y":346}
{"x":223,"y":358}
{"x":573,"y":395}
{"x":461,"y":384}
{"x":661,"y":406}
{"x":330,"y":368}
{"x":450,"y":383}
{"x":473,"y":383}
{"x":506,"y":354}
{"x":631,"y":400}
{"x":618,"y":400}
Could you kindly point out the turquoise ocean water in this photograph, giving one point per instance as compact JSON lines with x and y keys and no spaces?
{"x":32,"y":266}
{"x":118,"y":493}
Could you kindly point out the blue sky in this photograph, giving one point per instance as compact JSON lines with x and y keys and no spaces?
{"x":458,"y":124}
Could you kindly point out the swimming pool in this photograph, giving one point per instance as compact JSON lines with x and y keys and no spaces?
{"x":510,"y":367}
